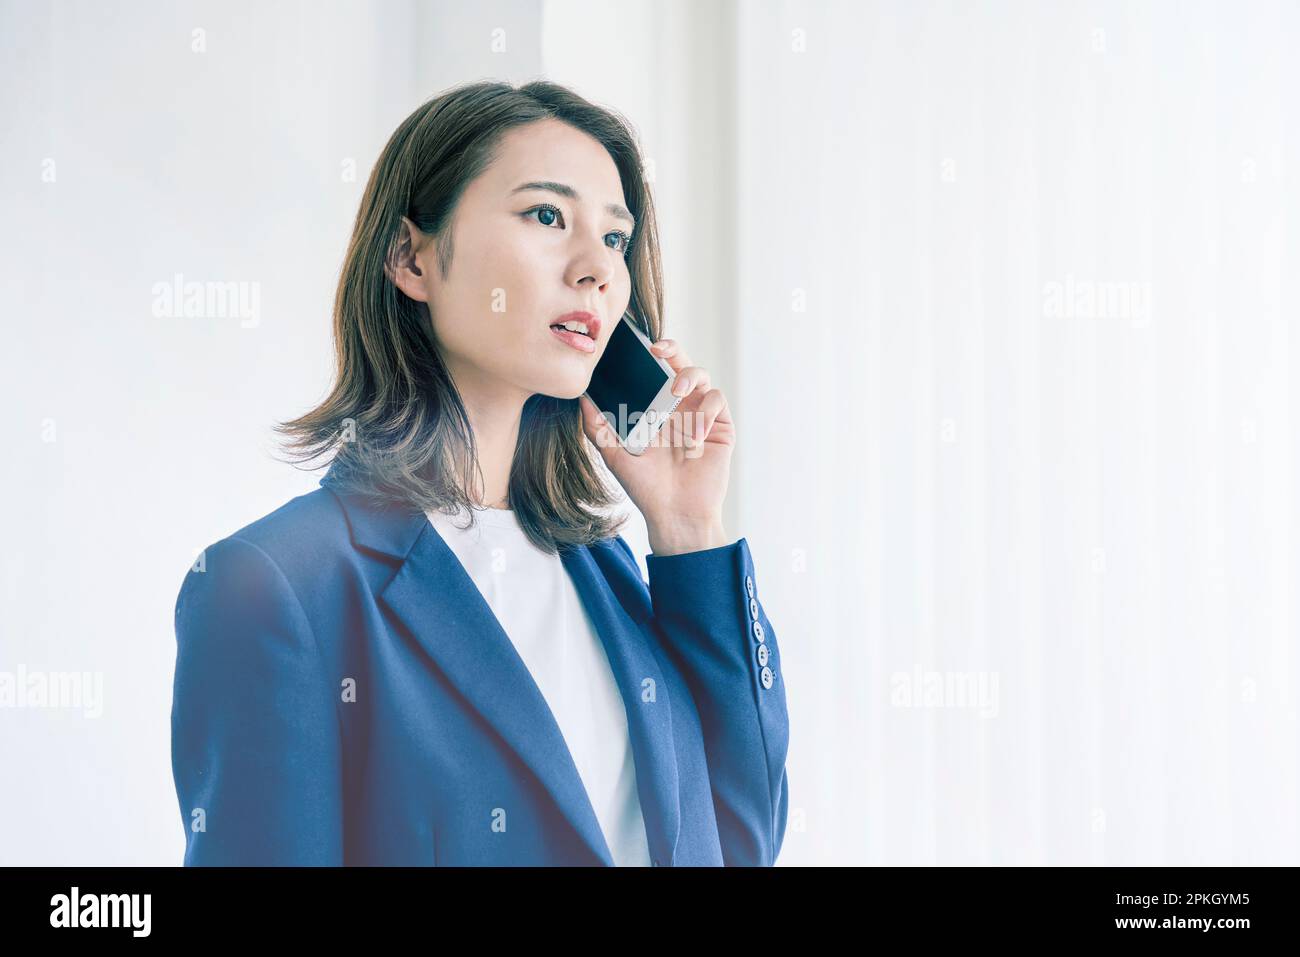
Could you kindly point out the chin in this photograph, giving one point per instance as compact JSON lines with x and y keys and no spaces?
{"x":572,"y":392}
{"x":566,"y":387}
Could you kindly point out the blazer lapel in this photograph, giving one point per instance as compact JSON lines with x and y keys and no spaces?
{"x":434,"y":597}
{"x":649,"y":723}
{"x":437,"y":600}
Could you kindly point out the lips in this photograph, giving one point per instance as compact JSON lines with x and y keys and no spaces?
{"x":591,"y":319}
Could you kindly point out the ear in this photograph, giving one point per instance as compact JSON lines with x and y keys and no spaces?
{"x":402,"y":265}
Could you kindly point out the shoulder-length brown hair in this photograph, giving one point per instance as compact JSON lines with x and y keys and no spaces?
{"x":394,"y":418}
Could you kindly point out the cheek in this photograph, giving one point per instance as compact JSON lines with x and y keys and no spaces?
{"x":507,"y":278}
{"x":621,"y":293}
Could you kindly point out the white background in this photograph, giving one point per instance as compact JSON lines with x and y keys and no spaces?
{"x":881,"y":225}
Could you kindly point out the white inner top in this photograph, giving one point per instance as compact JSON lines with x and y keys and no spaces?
{"x":539,"y":608}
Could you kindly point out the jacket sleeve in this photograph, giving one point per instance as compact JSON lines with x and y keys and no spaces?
{"x":707,"y":610}
{"x":256,"y":742}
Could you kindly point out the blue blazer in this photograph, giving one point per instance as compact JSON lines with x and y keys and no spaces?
{"x":345,"y":696}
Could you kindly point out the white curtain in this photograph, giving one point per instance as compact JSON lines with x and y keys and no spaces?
{"x":1015,"y":353}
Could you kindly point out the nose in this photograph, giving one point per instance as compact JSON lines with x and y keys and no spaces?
{"x":592,"y":265}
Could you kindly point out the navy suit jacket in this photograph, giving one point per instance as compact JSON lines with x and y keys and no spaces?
{"x":345,"y":696}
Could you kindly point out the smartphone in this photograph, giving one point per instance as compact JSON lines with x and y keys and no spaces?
{"x":632,"y":387}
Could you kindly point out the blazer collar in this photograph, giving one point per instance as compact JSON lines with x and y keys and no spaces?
{"x":434,"y":597}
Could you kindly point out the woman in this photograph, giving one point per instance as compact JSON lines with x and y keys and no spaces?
{"x":447,"y":653}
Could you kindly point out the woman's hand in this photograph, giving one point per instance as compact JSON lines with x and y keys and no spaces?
{"x":680,"y":481}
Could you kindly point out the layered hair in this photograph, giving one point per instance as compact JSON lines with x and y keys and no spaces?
{"x":393,"y":419}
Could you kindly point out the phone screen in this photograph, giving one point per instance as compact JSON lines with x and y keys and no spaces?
{"x":626,"y":375}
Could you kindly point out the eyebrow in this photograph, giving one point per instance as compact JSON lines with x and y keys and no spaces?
{"x":614,"y":209}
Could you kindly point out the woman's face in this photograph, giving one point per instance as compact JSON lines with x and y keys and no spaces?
{"x":524,"y":257}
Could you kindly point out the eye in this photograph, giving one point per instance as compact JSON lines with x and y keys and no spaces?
{"x":624,"y":238}
{"x":552,"y":214}
{"x":549,"y":210}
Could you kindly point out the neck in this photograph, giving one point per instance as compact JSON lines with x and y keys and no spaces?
{"x":494,"y":414}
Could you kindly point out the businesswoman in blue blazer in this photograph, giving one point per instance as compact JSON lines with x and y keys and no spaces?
{"x":447,"y":654}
